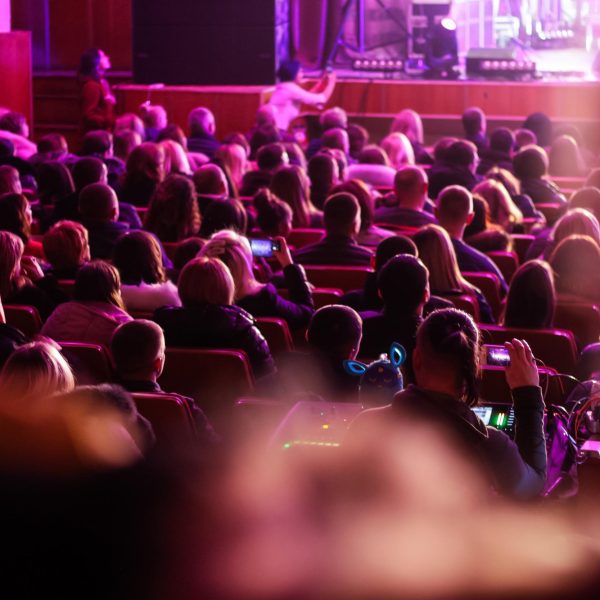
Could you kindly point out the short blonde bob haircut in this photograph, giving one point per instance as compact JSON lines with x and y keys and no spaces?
{"x":205,"y":281}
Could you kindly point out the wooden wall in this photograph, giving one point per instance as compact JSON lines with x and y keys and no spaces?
{"x":63,"y":29}
{"x":15,"y":66}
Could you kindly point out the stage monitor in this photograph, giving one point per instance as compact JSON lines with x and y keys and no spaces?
{"x":209,"y":42}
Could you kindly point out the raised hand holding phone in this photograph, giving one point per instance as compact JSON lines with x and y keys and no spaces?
{"x":522,"y":370}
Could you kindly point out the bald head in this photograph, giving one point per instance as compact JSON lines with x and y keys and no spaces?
{"x":454,"y":209}
{"x":410,"y":186}
{"x":98,"y":202}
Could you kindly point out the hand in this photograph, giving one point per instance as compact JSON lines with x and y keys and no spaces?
{"x":283,"y":256}
{"x":522,"y":370}
{"x":31,"y":268}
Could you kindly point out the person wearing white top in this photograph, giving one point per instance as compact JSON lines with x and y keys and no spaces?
{"x":147,"y":297}
{"x":289,"y":95}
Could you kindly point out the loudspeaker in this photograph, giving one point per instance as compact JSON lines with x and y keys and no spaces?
{"x":209,"y":42}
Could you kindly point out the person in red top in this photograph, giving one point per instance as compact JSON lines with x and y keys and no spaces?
{"x":97,"y":101}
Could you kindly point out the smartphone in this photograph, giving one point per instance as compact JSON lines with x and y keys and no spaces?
{"x":264,"y":247}
{"x":494,"y":355}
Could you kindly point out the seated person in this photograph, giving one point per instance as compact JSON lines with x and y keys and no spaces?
{"x":144,"y":283}
{"x":202,"y":126}
{"x":341,"y":215}
{"x":99,"y":210}
{"x":454,"y":211}
{"x":16,"y":217}
{"x":96,"y":310}
{"x":211,"y":184}
{"x":475,"y":124}
{"x":138,"y":352}
{"x":404,"y":287}
{"x":531,"y":168}
{"x":66,"y":248}
{"x":10,"y":182}
{"x":446,"y":367}
{"x":99,"y":144}
{"x":410,"y":192}
{"x":499,"y":153}
{"x":260,"y":299}
{"x":273,"y":216}
{"x":458,"y":167}
{"x":373,"y":167}
{"x":208,"y":318}
{"x":269,"y":159}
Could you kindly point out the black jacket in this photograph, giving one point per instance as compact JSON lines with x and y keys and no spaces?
{"x":334,"y":250}
{"x":443,"y":174}
{"x":297,"y":311}
{"x":216,"y":326}
{"x":104,"y":236}
{"x":542,"y":191}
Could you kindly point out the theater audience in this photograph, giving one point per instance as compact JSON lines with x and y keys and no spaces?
{"x":457,"y":167}
{"x":541,"y":126}
{"x":524,"y":137}
{"x":372,"y":167}
{"x":410,"y":194}
{"x":499,"y":152}
{"x":503,"y":210}
{"x":10,"y":182}
{"x":176,"y":160}
{"x":96,"y":310}
{"x":99,"y":210}
{"x":173,"y":212}
{"x":588,"y":198}
{"x":130,"y":122}
{"x":269,"y":160}
{"x":454,"y":211}
{"x":54,"y":182}
{"x":481,"y":233}
{"x":259,"y":299}
{"x":409,"y":123}
{"x":211,"y":184}
{"x":531,"y":167}
{"x":145,"y":169}
{"x":324,"y":173}
{"x":66,"y":248}
{"x":154,"y":117}
{"x":208,"y":318}
{"x":565,"y":159}
{"x":332,"y":118}
{"x":437,"y":253}
{"x":202,"y":128}
{"x":513,"y":186}
{"x":475,"y":125}
{"x":446,"y":369}
{"x":52,"y":147}
{"x":100,"y":145}
{"x":16,"y":217}
{"x":234,"y":161}
{"x":224,"y":214}
{"x":531,"y":299}
{"x":15,"y":130}
{"x":273,"y":216}
{"x":341,"y":215}
{"x":292,"y":185}
{"x":144,"y":283}
{"x":186,"y":250}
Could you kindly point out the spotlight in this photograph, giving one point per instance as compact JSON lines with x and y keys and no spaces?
{"x":442,"y":50}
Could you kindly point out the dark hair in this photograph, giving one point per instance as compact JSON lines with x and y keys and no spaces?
{"x":187,"y":250}
{"x":52,"y":142}
{"x":373,"y":155}
{"x":13,"y":122}
{"x":402,"y":282}
{"x":359,"y":138}
{"x":334,"y":138}
{"x":290,"y":184}
{"x":340,"y":212}
{"x":321,"y":172}
{"x":271,"y":212}
{"x":472,"y":120}
{"x":173,"y":211}
{"x":333,"y":329}
{"x":87,"y":170}
{"x":502,"y":139}
{"x":461,"y":153}
{"x":288,"y":70}
{"x":588,"y":198}
{"x":263,"y":136}
{"x":54,"y":182}
{"x":441,"y":148}
{"x":530,"y":162}
{"x":7,"y":148}
{"x":135,"y":346}
{"x":173,"y":132}
{"x":97,"y":202}
{"x":98,"y":281}
{"x":540,"y":124}
{"x":96,"y":142}
{"x":565,"y":158}
{"x":391,"y":246}
{"x":270,"y":157}
{"x":236,"y":137}
{"x":89,"y":64}
{"x":224,"y":214}
{"x":13,"y":215}
{"x":449,"y":339}
{"x":10,"y":181}
{"x":531,"y":299}
{"x":138,"y":256}
{"x":360,"y":191}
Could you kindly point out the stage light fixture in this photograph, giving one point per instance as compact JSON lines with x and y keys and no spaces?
{"x":498,"y":63}
{"x":380,"y":65}
{"x":441,"y":57}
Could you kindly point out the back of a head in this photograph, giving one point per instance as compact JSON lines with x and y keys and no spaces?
{"x":201,"y":121}
{"x":403,"y":283}
{"x":96,"y":142}
{"x":205,"y":281}
{"x":98,"y":281}
{"x":10,"y":182}
{"x":130,"y":122}
{"x":11,"y":252}
{"x":398,"y":149}
{"x":588,"y":198}
{"x":578,"y":221}
{"x":266,"y":115}
{"x":454,"y":205}
{"x":576,"y":264}
{"x":530,"y":162}
{"x":210,"y":180}
{"x":359,"y":138}
{"x":154,"y":115}
{"x":409,"y":123}
{"x":138,"y":257}
{"x":146,"y":161}
{"x":441,"y":148}
{"x":564,"y":158}
{"x":410,"y":185}
{"x":88,"y":170}
{"x":333,"y":117}
{"x":135,"y":346}
{"x":13,"y":215}
{"x":461,"y":153}
{"x":531,"y":299}
{"x":391,"y":246}
{"x":264,"y":136}
{"x":98,"y":202}
{"x":271,"y":157}
{"x":273,"y":216}
{"x":14,"y":122}
{"x":502,"y":140}
{"x":334,"y":331}
{"x":524,"y":137}
{"x":223,"y":214}
{"x":541,"y":125}
{"x":341,"y":213}
{"x":66,"y":245}
{"x":234,"y":250}
{"x":358,"y":188}
{"x":373,"y":155}
{"x":52,"y":142}
{"x":448,"y":343}
{"x":336,"y":138}
{"x":54,"y":181}
{"x":473,"y":120}
{"x":322,"y":170}
{"x":125,"y":142}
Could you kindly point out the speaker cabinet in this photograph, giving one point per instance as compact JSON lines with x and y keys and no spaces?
{"x":209,"y":42}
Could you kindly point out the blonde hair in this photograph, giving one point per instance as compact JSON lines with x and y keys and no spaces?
{"x":234,"y":161}
{"x":11,"y":252}
{"x":399,"y":150}
{"x":578,"y":221}
{"x":35,"y":371}
{"x":234,"y":250}
{"x":503,"y":210}
{"x":409,"y":123}
{"x":205,"y":281}
{"x":176,"y":160}
{"x":437,"y":253}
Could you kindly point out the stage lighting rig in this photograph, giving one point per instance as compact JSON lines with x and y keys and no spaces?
{"x":498,"y":63}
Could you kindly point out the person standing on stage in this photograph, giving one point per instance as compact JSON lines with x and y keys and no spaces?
{"x":289,"y":95}
{"x":97,"y":100}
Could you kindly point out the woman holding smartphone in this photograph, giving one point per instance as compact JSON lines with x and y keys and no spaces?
{"x":262,"y":299}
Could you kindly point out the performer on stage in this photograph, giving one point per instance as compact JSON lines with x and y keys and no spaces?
{"x":97,"y":100}
{"x":289,"y":95}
